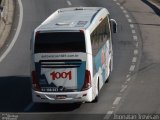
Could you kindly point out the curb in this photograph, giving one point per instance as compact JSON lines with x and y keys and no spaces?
{"x":6,"y":21}
{"x":157,"y":6}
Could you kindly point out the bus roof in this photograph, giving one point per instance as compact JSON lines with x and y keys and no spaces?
{"x":74,"y":18}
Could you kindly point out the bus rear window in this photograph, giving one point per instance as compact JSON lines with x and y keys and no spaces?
{"x":60,"y":42}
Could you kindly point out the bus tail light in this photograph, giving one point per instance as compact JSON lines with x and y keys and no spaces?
{"x":35,"y":83}
{"x":37,"y":33}
{"x":87,"y":82}
{"x":82,"y":31}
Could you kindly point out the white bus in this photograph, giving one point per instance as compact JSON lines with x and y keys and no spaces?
{"x":71,"y":55}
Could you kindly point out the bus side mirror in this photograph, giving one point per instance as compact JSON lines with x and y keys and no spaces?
{"x":114,"y":25}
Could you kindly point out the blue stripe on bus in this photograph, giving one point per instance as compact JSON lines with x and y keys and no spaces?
{"x":81,"y":75}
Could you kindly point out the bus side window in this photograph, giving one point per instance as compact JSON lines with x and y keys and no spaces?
{"x":102,"y":32}
{"x":94,"y":43}
{"x":100,"y":35}
{"x":108,"y":31}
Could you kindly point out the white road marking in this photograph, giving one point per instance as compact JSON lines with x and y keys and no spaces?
{"x":137,"y":44}
{"x":69,"y":3}
{"x":135,"y":37}
{"x":129,"y":20}
{"x":132,"y":68}
{"x":108,"y":115}
{"x":29,"y":106}
{"x":124,"y":11}
{"x":128,"y":79}
{"x":134,"y":59}
{"x":17,"y":32}
{"x":127,"y":16}
{"x":135,"y":52}
{"x":110,"y":112}
{"x":122,"y":7}
{"x":118,"y":3}
{"x":123,"y":88}
{"x":133,"y":31}
{"x":132,"y":26}
{"x":128,"y":75}
{"x":116,"y":101}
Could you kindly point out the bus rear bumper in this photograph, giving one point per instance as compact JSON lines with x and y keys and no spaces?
{"x":62,"y":97}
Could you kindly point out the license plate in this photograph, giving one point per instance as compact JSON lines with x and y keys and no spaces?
{"x":49,"y":89}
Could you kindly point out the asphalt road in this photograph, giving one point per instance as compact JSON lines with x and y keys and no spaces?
{"x":15,"y":88}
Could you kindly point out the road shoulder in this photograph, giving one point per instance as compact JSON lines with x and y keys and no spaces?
{"x":142,"y":96}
